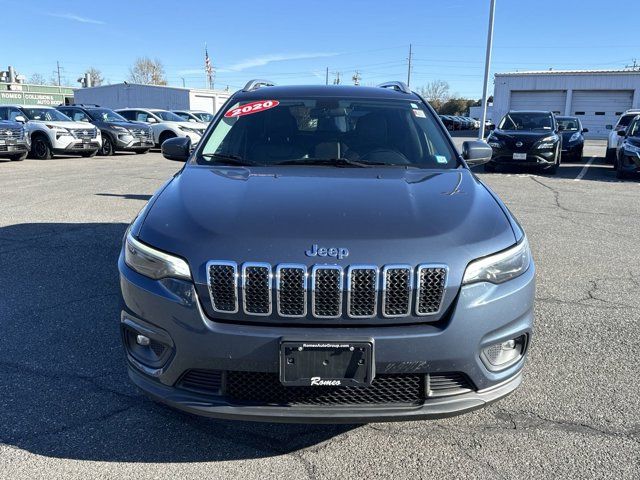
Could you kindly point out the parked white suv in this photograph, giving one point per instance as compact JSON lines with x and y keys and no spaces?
{"x":615,"y":140}
{"x":165,"y":124}
{"x":52,"y":132}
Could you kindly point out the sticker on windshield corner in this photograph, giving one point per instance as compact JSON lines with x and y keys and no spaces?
{"x":251,"y":107}
{"x":419,"y":113}
{"x":414,"y":105}
{"x":441,"y":159}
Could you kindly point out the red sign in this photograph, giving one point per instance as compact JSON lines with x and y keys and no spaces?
{"x":252,"y":107}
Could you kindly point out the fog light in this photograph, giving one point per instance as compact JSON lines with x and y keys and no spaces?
{"x":504,"y":354}
{"x":142,"y":340}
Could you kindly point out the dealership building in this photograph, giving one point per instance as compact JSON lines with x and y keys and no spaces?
{"x":124,"y":95}
{"x":597,"y":97}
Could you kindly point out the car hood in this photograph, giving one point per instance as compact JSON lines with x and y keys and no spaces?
{"x":194,"y":125}
{"x":64,"y":124}
{"x":383,"y":216}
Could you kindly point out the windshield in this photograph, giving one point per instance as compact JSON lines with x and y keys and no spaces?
{"x":169,"y":116}
{"x":570,"y":124}
{"x":527,"y":121}
{"x":204,"y":117}
{"x":626,"y":120}
{"x":634,"y":129}
{"x":46,"y":114}
{"x":328,"y":131}
{"x":106,"y":115}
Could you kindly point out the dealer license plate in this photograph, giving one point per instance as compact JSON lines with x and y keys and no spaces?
{"x":519,"y":156}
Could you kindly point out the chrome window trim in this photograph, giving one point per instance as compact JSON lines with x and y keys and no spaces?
{"x":235,"y":271}
{"x":292,"y":266}
{"x":377,"y":288}
{"x":384,"y":288}
{"x":313,"y":289}
{"x":425,"y":266}
{"x":243,"y":287}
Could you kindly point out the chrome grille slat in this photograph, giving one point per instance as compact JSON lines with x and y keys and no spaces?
{"x":397,"y":290}
{"x":362,"y":291}
{"x":79,"y":133}
{"x":10,"y":133}
{"x":431,"y":284}
{"x":291,"y":289}
{"x":223,"y":286}
{"x":256,"y":288}
{"x":326,"y":291}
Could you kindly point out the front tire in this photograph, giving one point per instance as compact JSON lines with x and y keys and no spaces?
{"x":620,"y":173}
{"x":610,"y":156}
{"x":166,"y":135}
{"x":107,"y":147}
{"x":140,"y":152}
{"x":19,"y":157}
{"x":41,"y":148}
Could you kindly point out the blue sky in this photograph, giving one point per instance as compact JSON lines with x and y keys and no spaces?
{"x":294,"y":41}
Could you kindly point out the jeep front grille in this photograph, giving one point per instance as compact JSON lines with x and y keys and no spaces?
{"x":370,"y":291}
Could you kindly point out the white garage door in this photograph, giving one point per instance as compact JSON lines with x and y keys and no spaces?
{"x":547,"y":100}
{"x":203,"y":102}
{"x":598,"y":108}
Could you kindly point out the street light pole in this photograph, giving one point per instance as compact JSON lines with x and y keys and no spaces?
{"x":487,"y":67}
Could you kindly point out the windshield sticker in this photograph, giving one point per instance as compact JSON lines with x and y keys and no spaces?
{"x":419,"y":113}
{"x":413,"y":105}
{"x":441,"y":159}
{"x":252,"y":107}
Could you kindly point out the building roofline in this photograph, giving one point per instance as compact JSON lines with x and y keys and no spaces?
{"x":569,"y":72}
{"x":130,"y":84}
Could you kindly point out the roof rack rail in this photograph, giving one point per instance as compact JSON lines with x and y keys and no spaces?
{"x":80,"y":105}
{"x":256,"y":84}
{"x":398,"y":86}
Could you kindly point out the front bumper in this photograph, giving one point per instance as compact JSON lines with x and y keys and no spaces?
{"x":13,"y":148}
{"x":128,"y":141}
{"x":75,"y":145}
{"x":535,"y":157}
{"x":572,"y":150}
{"x":630,"y":162}
{"x":484,"y":314}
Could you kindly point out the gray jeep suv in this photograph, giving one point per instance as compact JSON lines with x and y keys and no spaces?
{"x":326,"y":255}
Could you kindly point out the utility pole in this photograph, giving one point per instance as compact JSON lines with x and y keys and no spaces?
{"x":487,"y":67}
{"x":409,"y":67}
{"x":326,"y":77}
{"x":58,"y":69}
{"x":635,"y":67}
{"x":356,"y":78}
{"x":336,"y":81}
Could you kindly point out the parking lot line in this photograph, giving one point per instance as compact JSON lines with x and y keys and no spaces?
{"x":584,"y":170}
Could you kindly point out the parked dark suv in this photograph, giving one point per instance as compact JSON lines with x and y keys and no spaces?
{"x":14,"y":140}
{"x":326,"y":255}
{"x":627,"y":160}
{"x":118,"y":133}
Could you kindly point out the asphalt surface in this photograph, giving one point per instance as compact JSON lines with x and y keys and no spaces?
{"x":67,"y":409}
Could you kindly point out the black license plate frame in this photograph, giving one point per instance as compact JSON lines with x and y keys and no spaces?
{"x":326,"y":363}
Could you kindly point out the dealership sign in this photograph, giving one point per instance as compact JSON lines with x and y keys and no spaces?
{"x":33,"y":94}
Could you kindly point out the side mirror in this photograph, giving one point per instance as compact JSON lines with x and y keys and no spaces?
{"x":193,"y":120}
{"x":476,"y":152}
{"x":20,"y":119}
{"x":561,"y":128}
{"x":177,"y":148}
{"x":491,"y":127}
{"x":622,"y":133}
{"x":84,"y":119}
{"x":609,"y":127}
{"x":151,"y":120}
{"x":585,"y":130}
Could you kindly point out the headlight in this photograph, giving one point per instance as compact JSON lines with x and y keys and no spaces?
{"x":153,"y":263}
{"x":575,"y":137}
{"x":546,"y":143}
{"x":494,"y":142}
{"x":60,"y":131}
{"x":119,"y":129}
{"x":190,"y":130}
{"x":500,"y":267}
{"x":631,"y":148}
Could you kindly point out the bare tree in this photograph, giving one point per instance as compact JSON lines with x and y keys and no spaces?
{"x":96,"y":77}
{"x":436,"y":93}
{"x":147,"y":71}
{"x":37,"y":79}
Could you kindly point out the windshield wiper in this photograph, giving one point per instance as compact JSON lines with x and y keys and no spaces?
{"x":229,"y":159}
{"x":332,"y":162}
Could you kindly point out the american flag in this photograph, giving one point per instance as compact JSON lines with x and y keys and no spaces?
{"x":208,"y":68}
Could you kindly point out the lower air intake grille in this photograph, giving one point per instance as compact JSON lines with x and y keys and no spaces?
{"x":327,"y":292}
{"x":266,"y":389}
{"x":431,"y":283}
{"x":445,"y":384}
{"x":223,"y":286}
{"x":204,"y":381}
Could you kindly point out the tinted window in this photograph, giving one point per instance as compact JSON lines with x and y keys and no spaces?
{"x":184,"y":116}
{"x":368,"y":131}
{"x":626,"y":120}
{"x":634,"y":129}
{"x":105,"y":115}
{"x":204,"y":117}
{"x":75,"y":114}
{"x":169,"y":116}
{"x":527,"y":121}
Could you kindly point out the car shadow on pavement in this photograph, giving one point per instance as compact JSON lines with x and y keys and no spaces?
{"x":64,"y":391}
{"x":126,"y":196}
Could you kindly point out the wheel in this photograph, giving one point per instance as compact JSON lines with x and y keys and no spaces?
{"x":489,"y":167}
{"x":89,"y":154}
{"x":553,"y":169}
{"x":107,"y":146}
{"x":19,"y":157}
{"x":610,"y":156}
{"x":41,"y":148}
{"x":166,"y":135}
{"x":620,"y":173}
{"x":140,"y":152}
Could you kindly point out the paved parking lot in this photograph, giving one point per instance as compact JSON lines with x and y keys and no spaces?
{"x":68,"y":409}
